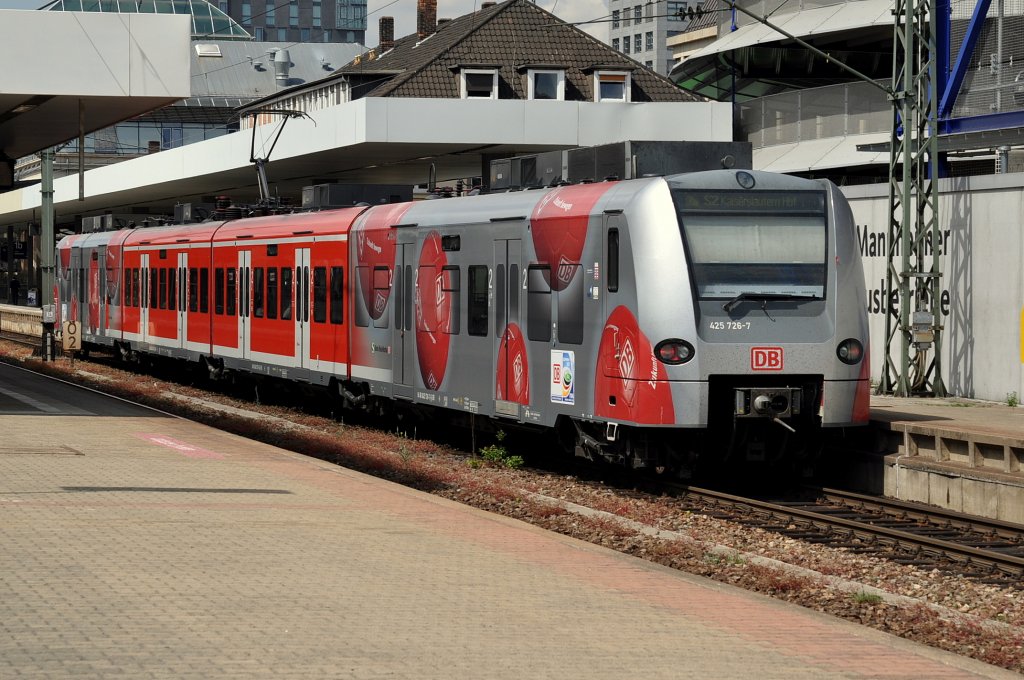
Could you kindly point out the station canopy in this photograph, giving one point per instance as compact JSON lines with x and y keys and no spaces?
{"x":207,"y":21}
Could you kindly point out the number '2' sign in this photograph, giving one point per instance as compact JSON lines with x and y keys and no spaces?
{"x":71,"y":336}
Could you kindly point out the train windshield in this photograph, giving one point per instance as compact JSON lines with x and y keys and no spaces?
{"x":755,"y":243}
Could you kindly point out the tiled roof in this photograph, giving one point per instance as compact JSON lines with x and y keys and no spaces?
{"x":512,"y":33}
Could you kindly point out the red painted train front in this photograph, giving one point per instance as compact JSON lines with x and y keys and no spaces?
{"x":616,"y":313}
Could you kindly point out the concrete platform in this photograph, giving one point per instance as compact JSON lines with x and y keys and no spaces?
{"x":138,"y":545}
{"x":960,"y":454}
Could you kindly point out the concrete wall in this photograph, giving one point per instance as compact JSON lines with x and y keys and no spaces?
{"x":21,"y":320}
{"x":96,"y":54}
{"x":982,"y":223}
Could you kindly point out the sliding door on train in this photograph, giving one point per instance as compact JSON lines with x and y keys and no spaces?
{"x":145,"y":298}
{"x":301,"y":312}
{"x":511,"y":378}
{"x":182,"y":286}
{"x":404,"y":338}
{"x":244,"y":303}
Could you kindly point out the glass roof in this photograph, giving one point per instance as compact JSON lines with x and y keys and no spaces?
{"x":207,"y":21}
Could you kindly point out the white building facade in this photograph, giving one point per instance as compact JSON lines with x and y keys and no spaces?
{"x":641,"y":30}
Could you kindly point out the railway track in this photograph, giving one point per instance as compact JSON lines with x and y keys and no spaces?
{"x":988,"y":551}
{"x":17,"y":338}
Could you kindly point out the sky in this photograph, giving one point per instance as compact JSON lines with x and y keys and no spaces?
{"x":404,"y":12}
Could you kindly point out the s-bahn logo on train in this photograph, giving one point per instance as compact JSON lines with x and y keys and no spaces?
{"x":558,"y":227}
{"x":630,"y":383}
{"x":433,"y":311}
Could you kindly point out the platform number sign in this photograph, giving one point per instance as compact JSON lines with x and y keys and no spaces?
{"x":71,"y":336}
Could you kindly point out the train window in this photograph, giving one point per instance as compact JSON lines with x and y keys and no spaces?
{"x":171,"y":287}
{"x":450,"y":285}
{"x":243,"y":293}
{"x":163,"y":254}
{"x":271,"y":292}
{"x":319,"y":294}
{"x":127,"y":287}
{"x":193,"y":290}
{"x":570,"y":309}
{"x":759,"y":247}
{"x":513,"y":293}
{"x":500,"y":300}
{"x":337,"y":295}
{"x":154,"y":289}
{"x":257,"y":292}
{"x":304,"y":289}
{"x":451,"y":243}
{"x":613,"y":261}
{"x":135,"y":287}
{"x":231,"y":274}
{"x":476,"y":322}
{"x":400,"y":298}
{"x":162,"y":278}
{"x":204,"y":290}
{"x":538,"y":303}
{"x":408,"y":297}
{"x":379,"y":300}
{"x":218,"y":290}
{"x":271,"y":250}
{"x":286,"y":293}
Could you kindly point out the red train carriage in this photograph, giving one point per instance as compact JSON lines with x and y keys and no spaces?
{"x":644,"y":319}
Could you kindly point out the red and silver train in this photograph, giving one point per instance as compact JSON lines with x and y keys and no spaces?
{"x":653,"y":322}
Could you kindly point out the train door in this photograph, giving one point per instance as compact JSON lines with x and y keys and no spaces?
{"x":301,"y":312}
{"x":244,"y":330}
{"x":92,"y":292}
{"x":404,"y":338}
{"x":144,"y":298}
{"x":183,"y":290}
{"x":511,"y":379}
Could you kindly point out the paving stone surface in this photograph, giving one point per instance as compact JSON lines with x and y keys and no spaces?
{"x":151,"y":547}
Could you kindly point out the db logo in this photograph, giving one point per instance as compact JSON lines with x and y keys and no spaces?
{"x":517,"y":372}
{"x":565,"y":269}
{"x":627,"y":359}
{"x":766,"y":358}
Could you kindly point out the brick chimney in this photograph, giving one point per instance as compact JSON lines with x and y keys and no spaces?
{"x":386,"y":30}
{"x":426,"y":18}
{"x":488,"y":4}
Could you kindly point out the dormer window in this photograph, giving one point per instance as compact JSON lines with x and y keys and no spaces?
{"x":544,"y":81}
{"x":611,"y":86}
{"x":479,"y":83}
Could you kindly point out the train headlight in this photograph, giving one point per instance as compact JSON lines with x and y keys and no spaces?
{"x":674,"y":351}
{"x":850,"y":351}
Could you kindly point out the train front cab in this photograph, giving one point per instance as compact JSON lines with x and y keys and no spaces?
{"x":768,"y":341}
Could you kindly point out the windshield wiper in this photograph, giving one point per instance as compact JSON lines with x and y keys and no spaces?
{"x":764,"y":297}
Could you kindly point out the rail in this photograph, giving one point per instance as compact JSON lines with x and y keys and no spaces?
{"x":910,"y":534}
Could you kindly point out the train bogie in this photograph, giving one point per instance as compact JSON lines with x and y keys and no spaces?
{"x":652,"y":322}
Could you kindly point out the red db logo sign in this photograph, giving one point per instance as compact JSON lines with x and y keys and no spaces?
{"x":766,"y":358}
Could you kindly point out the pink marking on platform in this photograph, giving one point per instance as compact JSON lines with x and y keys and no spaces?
{"x":179,"y":446}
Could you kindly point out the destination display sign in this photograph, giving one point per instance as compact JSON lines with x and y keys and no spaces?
{"x":750,"y":201}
